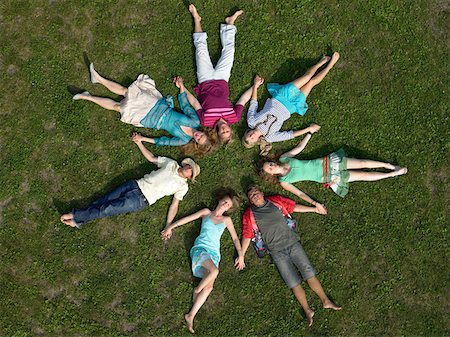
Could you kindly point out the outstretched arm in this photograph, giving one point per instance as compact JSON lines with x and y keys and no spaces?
{"x":299,"y":148}
{"x":138,"y":139}
{"x":251,"y":92}
{"x":245,"y":242}
{"x":291,"y":188}
{"x":239,"y":262}
{"x":306,"y":209}
{"x":311,"y":129}
{"x":179,"y":82}
{"x":167,"y":232}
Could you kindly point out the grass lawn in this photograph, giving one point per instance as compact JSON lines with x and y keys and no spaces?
{"x":382,"y":252}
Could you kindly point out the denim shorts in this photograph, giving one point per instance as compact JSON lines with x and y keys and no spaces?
{"x":291,"y":259}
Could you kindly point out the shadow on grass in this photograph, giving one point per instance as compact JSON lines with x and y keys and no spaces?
{"x":64,"y":206}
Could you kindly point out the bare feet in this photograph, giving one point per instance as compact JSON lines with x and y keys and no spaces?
{"x":194,"y":13}
{"x":334,"y":58}
{"x":190,"y":322}
{"x":67,"y":219}
{"x":230,"y":20}
{"x":309,"y":317}
{"x":330,"y":305}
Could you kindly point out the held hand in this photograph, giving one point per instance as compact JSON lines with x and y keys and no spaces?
{"x":258,"y":81}
{"x":166,"y":234}
{"x":314,"y":128}
{"x":136,"y":137}
{"x":178,"y":81}
{"x":239,"y":263}
{"x":321,"y":209}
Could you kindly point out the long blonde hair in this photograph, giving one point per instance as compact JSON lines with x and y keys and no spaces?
{"x":264,"y":145}
{"x":210,"y":145}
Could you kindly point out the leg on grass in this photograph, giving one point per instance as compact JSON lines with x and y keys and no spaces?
{"x":201,"y":293}
{"x":197,"y":19}
{"x":108,"y":84}
{"x":315,"y":80}
{"x":374,"y":176}
{"x":301,"y":81}
{"x":300,"y":295}
{"x":315,"y":285}
{"x":353,"y":164}
{"x":106,"y":103}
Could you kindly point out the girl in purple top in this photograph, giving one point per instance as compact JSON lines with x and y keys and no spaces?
{"x":213,"y":106}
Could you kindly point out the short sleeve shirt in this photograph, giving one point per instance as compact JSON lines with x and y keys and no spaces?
{"x":164,"y":181}
{"x":272,"y":224}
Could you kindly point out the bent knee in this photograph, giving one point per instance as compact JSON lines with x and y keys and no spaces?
{"x":117,"y":107}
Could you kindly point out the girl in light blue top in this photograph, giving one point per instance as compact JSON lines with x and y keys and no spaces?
{"x":205,"y":253}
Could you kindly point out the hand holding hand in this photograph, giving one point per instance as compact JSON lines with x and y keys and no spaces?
{"x":239,"y":263}
{"x":321,"y":209}
{"x":258,"y":81}
{"x":314,"y":128}
{"x":166,"y":234}
{"x":178,"y":81}
{"x":136,"y":137}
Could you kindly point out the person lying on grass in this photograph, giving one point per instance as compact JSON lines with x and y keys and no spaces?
{"x":144,"y":106}
{"x":269,"y":216}
{"x":205,"y":253}
{"x":265,"y":126}
{"x":213,"y":105}
{"x":334,"y":170}
{"x":135,"y":195}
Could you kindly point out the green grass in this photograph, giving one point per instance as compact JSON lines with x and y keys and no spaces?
{"x":382,"y":252}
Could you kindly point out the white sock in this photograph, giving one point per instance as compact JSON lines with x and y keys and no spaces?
{"x":78,"y":96}
{"x":91,"y":70}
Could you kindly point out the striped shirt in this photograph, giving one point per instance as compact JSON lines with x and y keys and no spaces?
{"x":214,"y":99}
{"x":269,"y":120}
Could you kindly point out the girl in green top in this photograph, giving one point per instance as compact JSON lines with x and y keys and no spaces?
{"x":334,"y":170}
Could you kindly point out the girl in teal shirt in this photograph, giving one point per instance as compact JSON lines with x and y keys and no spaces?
{"x":334,"y":170}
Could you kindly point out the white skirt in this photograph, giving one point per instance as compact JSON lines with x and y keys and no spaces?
{"x":141,"y":97}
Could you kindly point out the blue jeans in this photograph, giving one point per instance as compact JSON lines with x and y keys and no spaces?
{"x":291,"y":259}
{"x":125,"y":198}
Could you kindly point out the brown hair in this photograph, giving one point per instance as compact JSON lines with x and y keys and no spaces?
{"x":251,"y":187}
{"x":229,"y":193}
{"x":194,"y":149}
{"x":271,"y":178}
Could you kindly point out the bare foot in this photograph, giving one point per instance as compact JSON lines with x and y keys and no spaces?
{"x":400,"y":171}
{"x":335,"y":58}
{"x":81,"y":96}
{"x":67,"y":219}
{"x":194,"y":12}
{"x":190,"y":323}
{"x":330,"y":305}
{"x":324,"y":60}
{"x":230,"y":20}
{"x":93,"y":73}
{"x":309,"y":317}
